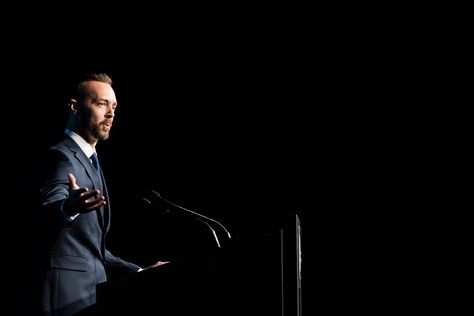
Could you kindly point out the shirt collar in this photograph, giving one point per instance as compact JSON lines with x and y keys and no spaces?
{"x":85,"y":146}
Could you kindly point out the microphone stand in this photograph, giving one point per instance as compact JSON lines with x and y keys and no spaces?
{"x":213,"y":231}
{"x":160,"y":198}
{"x":198,"y":216}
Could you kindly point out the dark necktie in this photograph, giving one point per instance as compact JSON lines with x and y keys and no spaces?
{"x":95,"y":162}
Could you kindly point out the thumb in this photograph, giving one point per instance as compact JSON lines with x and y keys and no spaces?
{"x":72,"y":182}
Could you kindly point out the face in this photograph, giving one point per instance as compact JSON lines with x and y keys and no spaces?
{"x":98,"y":111}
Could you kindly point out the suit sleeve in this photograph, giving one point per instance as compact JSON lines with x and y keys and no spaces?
{"x":53,"y":187}
{"x":119,"y":266}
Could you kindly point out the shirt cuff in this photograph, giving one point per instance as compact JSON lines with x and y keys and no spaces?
{"x":67,"y":218}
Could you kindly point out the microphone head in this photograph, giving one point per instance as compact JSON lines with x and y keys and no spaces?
{"x":156,"y":195}
{"x":145,"y":201}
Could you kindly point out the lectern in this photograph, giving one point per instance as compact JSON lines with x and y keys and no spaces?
{"x":258,"y":274}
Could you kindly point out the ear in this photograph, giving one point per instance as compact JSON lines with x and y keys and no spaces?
{"x":73,"y":106}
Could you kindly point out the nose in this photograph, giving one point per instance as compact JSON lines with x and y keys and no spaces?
{"x":110,"y":112}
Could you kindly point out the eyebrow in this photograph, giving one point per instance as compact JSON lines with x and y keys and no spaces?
{"x":106,"y":101}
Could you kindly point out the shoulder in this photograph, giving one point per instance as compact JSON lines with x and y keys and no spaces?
{"x":60,"y":152}
{"x":66,"y":146}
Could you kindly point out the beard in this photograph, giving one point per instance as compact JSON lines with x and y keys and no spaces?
{"x":101,"y":132}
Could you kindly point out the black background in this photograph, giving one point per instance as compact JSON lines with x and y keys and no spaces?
{"x":235,"y":139}
{"x":234,"y":135}
{"x":244,"y":126}
{"x":243,"y":118}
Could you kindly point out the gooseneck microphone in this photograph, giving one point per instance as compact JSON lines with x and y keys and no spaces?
{"x":202,"y":218}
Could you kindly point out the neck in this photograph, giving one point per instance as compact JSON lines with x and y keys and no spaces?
{"x":86,"y":136}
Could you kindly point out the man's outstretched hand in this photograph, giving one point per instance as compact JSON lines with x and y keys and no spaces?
{"x":81,"y":200}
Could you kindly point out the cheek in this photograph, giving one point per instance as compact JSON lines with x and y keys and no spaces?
{"x":97,"y":116}
{"x":93,"y":120}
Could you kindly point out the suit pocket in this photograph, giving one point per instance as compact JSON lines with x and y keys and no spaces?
{"x":68,"y":262}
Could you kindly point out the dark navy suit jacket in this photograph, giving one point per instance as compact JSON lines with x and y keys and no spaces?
{"x":70,"y":257}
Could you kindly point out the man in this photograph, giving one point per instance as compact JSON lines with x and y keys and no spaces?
{"x":73,"y":213}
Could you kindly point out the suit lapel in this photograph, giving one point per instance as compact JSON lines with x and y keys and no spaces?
{"x":102,"y":215}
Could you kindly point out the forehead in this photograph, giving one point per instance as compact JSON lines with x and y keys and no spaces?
{"x":100,"y":90}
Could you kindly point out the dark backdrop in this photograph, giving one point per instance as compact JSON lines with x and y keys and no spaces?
{"x":244,"y":135}
{"x":238,"y":140}
{"x":234,"y":140}
{"x":242,"y":123}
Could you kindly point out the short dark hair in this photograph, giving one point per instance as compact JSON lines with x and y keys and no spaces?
{"x":79,"y":90}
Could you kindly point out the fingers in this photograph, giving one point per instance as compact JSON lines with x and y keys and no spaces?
{"x":72,"y":182}
{"x":86,"y":194}
{"x":156,"y":264}
{"x":88,"y":201}
{"x":81,"y":200}
{"x":90,"y":205}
